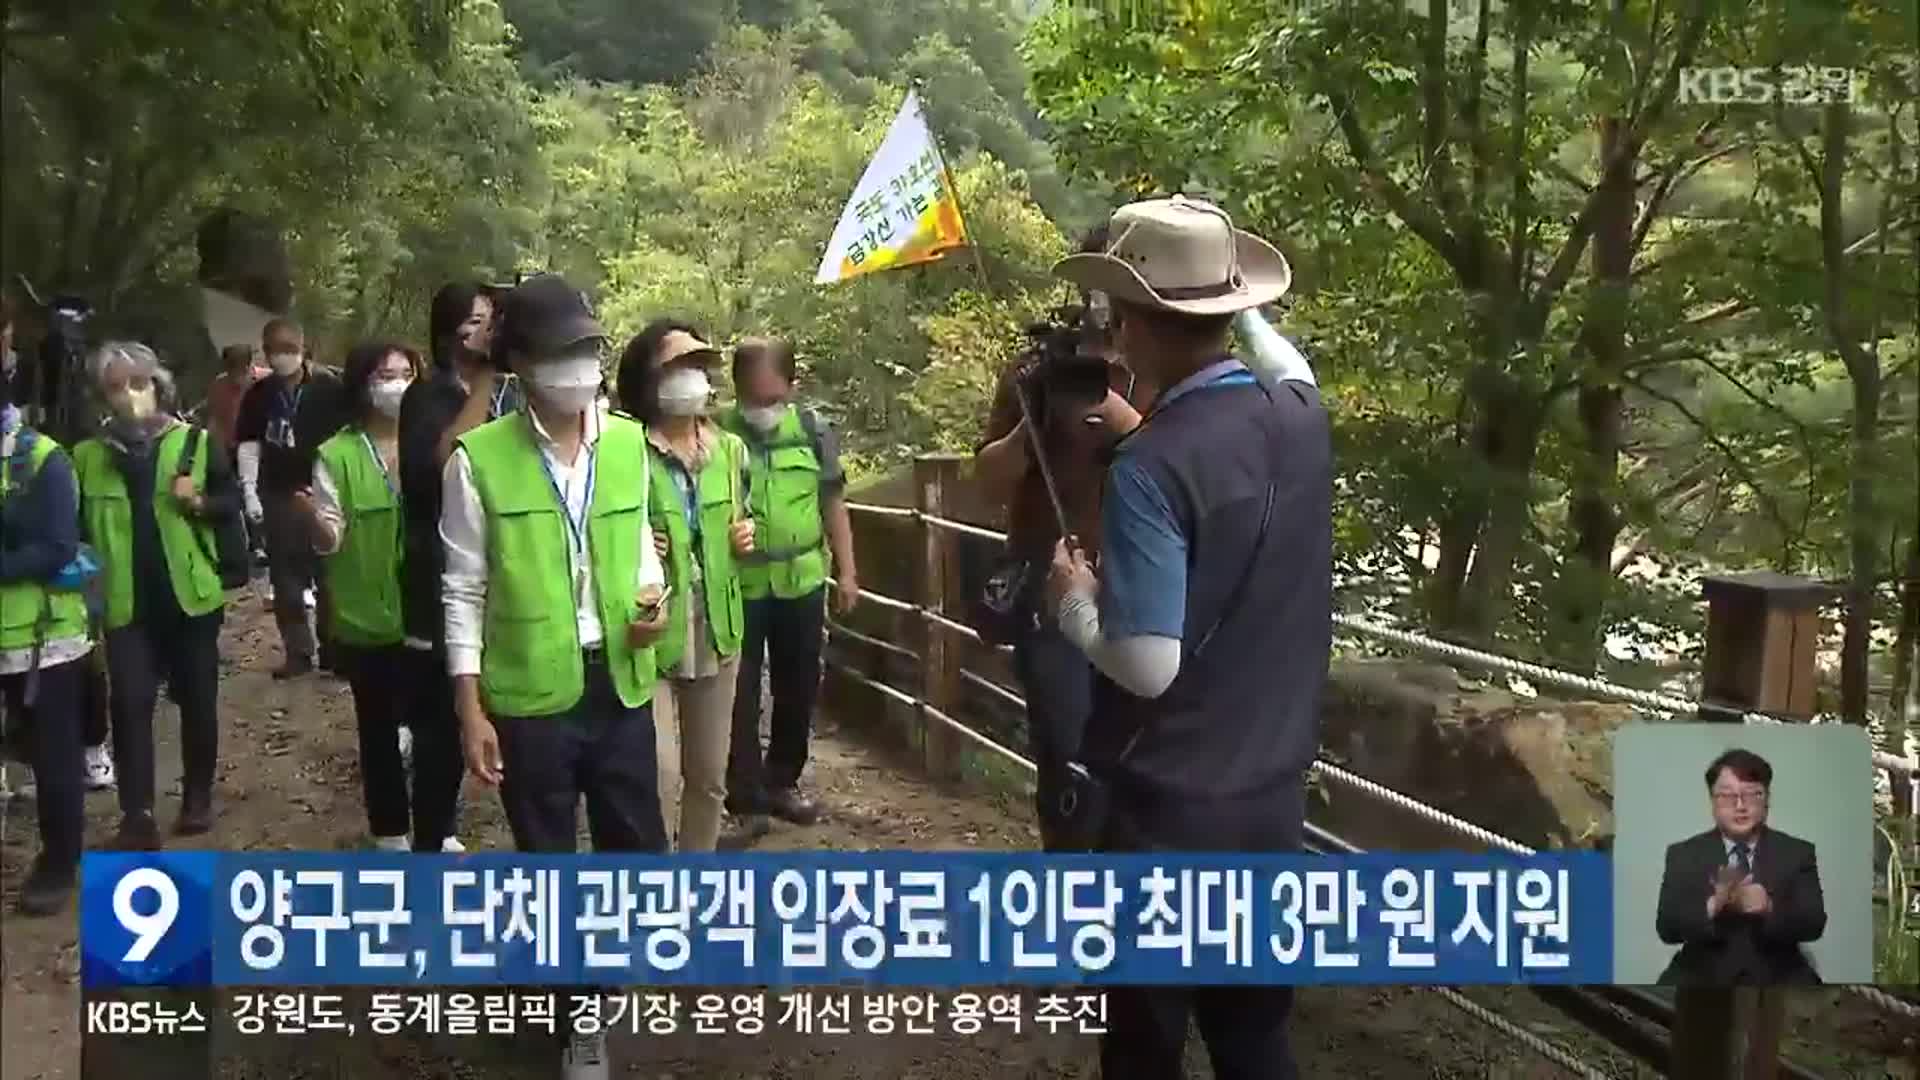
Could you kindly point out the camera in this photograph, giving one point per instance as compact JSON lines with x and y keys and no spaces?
{"x":1062,"y":371}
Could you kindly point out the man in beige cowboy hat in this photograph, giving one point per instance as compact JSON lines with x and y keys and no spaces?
{"x":1209,"y":619}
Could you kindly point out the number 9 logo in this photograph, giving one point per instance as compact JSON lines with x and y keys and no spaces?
{"x":147,"y":930}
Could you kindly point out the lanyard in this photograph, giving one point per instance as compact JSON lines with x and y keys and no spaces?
{"x":576,"y":527}
{"x":380,"y":463}
{"x":290,"y":399}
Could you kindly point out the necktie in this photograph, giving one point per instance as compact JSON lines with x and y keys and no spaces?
{"x":1740,"y":861}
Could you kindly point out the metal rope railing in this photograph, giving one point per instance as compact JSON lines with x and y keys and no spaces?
{"x":1649,"y":700}
{"x":1319,"y":836}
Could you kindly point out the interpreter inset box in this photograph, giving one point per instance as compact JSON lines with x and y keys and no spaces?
{"x":1742,"y":855}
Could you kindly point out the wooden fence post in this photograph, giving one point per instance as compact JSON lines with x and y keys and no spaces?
{"x":941,"y":651}
{"x":1761,"y":632}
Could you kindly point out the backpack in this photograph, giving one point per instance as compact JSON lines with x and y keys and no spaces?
{"x":230,"y":553}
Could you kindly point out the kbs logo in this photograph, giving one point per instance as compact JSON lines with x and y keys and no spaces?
{"x":1768,"y":86}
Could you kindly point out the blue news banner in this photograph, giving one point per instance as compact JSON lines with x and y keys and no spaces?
{"x":819,"y":918}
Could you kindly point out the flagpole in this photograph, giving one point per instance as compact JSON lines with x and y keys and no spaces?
{"x":919,"y":90}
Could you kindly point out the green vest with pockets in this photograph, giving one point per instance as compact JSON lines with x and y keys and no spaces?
{"x":790,"y":555}
{"x":29,"y":611}
{"x":107,"y":512}
{"x":716,"y":494}
{"x":364,"y":575}
{"x":531,"y":664}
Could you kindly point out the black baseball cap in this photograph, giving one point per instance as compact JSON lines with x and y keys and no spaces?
{"x":544,"y":315}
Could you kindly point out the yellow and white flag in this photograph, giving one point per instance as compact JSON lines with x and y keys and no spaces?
{"x":903,"y":211}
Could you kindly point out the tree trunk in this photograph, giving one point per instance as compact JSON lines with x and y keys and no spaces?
{"x":1459,"y":531}
{"x":1577,"y":613}
{"x":1906,"y":688}
{"x":1507,"y":456}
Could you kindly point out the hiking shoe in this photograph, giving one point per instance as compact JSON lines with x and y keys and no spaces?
{"x":47,"y":890}
{"x":452,"y":846}
{"x":196,"y":816}
{"x":100,"y":774}
{"x":789,"y":805}
{"x":295,"y":668}
{"x":138,"y":832}
{"x":392,"y":843}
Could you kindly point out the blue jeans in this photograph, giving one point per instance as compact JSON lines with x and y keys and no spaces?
{"x":1056,"y":678}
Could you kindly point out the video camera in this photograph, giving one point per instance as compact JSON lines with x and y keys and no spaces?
{"x":1061,"y":368}
{"x":56,"y":388}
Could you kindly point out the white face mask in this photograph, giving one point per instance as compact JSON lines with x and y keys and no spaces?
{"x":684,"y":392}
{"x":285,"y":363}
{"x":386,"y":396}
{"x":570,"y":385}
{"x":763,"y":418}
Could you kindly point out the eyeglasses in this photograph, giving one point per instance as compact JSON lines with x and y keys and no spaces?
{"x":1740,"y":798}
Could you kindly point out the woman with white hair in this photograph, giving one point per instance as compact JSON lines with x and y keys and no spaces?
{"x":152,"y":522}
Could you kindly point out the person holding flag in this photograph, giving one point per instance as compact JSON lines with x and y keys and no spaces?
{"x":796,"y":492}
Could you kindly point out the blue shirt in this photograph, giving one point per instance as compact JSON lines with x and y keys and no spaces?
{"x":1143,"y":550}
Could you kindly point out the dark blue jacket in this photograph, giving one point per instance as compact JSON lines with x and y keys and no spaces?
{"x":40,"y":523}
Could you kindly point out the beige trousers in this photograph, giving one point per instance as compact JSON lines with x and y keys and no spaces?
{"x":693,"y":728}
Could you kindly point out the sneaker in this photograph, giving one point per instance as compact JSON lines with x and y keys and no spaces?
{"x":297,"y":667}
{"x":789,"y":805}
{"x":25,"y":790}
{"x":585,"y":1058}
{"x":452,"y":846}
{"x":99,"y":768}
{"x":392,"y":843}
{"x":406,"y":748}
{"x":47,"y":891}
{"x":138,"y":832}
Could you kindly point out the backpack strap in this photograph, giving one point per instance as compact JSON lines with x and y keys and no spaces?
{"x":192,"y":446}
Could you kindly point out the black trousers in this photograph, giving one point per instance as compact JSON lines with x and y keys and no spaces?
{"x":381,"y":679}
{"x":787,"y":635}
{"x":51,"y":732}
{"x":600,"y":750}
{"x":184,"y":653}
{"x":1245,"y":1028}
{"x":94,"y":699}
{"x":1056,"y":678}
{"x":437,"y":765}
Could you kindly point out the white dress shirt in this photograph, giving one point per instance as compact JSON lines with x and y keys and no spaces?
{"x":463,"y":531}
{"x":326,"y":501}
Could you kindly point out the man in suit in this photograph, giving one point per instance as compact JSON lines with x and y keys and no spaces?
{"x":1741,"y":898}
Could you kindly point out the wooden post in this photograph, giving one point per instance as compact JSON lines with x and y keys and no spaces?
{"x":941,"y":650}
{"x":1761,"y":633}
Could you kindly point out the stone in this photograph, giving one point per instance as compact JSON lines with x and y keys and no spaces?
{"x":1534,"y":770}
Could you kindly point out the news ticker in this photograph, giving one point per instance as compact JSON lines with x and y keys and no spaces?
{"x":789,"y":919}
{"x":654,"y":1012}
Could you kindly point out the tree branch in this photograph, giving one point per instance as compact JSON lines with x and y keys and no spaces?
{"x":1419,"y":217}
{"x":1677,"y":173}
{"x":1733,"y":458}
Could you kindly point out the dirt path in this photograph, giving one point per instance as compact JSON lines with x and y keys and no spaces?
{"x":288,"y":781}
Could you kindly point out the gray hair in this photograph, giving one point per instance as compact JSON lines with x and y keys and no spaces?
{"x":139,"y":359}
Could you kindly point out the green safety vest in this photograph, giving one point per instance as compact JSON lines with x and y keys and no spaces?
{"x":790,"y":555}
{"x":363,"y":577}
{"x":531,"y":663}
{"x":185,"y":542}
{"x":31,"y":613}
{"x":716,"y":495}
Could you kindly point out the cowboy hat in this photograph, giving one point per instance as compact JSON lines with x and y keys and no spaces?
{"x":1182,"y":255}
